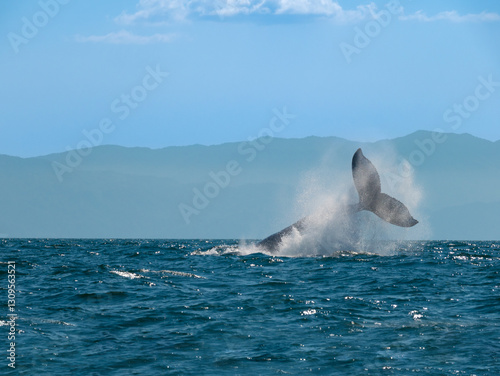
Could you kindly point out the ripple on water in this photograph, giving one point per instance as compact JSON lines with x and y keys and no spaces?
{"x":202,"y":307}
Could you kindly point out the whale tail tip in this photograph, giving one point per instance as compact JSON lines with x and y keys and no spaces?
{"x":367,"y":183}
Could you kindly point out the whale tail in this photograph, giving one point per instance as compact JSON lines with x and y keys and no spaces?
{"x":371,"y":198}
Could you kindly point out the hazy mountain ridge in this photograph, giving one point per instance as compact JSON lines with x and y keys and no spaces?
{"x":136,"y":192}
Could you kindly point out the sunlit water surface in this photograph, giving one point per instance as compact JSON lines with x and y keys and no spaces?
{"x":155,"y":307}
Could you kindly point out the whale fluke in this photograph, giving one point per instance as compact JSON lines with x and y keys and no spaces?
{"x":371,"y":198}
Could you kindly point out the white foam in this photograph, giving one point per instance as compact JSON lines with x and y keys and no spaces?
{"x":127,"y":274}
{"x":310,"y":311}
{"x":173,"y":272}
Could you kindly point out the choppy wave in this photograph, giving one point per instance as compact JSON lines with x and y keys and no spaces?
{"x":115,"y":307}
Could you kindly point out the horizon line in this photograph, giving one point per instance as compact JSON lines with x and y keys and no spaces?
{"x":237,"y":142}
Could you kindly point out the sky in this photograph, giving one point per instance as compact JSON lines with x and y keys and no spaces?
{"x":159,"y":73}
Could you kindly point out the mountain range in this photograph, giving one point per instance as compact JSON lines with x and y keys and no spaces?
{"x":247,"y":190}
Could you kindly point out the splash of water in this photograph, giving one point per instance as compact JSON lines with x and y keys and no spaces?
{"x":336,"y":227}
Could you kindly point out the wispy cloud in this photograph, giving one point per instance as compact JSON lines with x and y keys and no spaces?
{"x":171,"y":11}
{"x":125,"y":37}
{"x":164,"y":11}
{"x":149,"y":10}
{"x":326,"y":8}
{"x":452,"y":16}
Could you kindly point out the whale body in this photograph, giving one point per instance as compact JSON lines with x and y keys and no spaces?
{"x":367,"y":182}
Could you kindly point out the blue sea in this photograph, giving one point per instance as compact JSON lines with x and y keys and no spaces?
{"x":211,"y":307}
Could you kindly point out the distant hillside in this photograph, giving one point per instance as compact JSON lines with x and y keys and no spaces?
{"x":246,"y":190}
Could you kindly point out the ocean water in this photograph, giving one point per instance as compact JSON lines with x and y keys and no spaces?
{"x":198,"y":307}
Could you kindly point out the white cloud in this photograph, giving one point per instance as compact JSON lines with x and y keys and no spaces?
{"x":327,"y":8}
{"x":164,"y":11}
{"x":169,"y":11}
{"x":452,"y":16}
{"x":125,"y":37}
{"x":173,"y":10}
{"x":228,"y":8}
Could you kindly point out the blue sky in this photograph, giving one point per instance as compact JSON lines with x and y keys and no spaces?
{"x":359,"y":70}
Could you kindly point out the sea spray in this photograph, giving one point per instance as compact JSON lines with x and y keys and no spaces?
{"x":334,"y":221}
